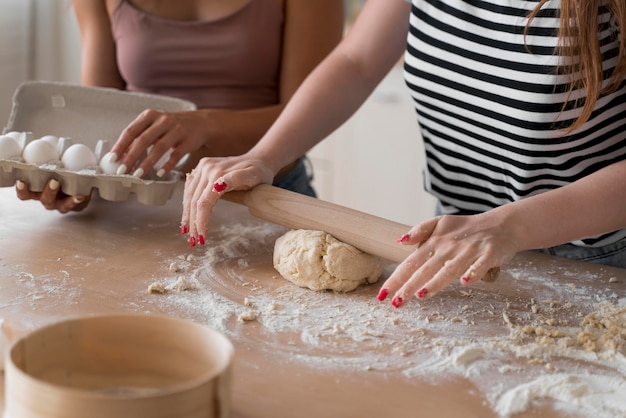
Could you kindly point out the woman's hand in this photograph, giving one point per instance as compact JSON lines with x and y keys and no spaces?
{"x":208,"y":181}
{"x":52,"y":198}
{"x":469,"y":248}
{"x":162,"y":137}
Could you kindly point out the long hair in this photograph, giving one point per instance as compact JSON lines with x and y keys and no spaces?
{"x":579,"y":40}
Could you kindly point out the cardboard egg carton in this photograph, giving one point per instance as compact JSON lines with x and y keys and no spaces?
{"x":92,"y":116}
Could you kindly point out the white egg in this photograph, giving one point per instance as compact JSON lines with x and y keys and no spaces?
{"x":78,"y":157}
{"x":108,"y":163}
{"x":54,"y":140}
{"x":9,"y":148}
{"x":39,"y":152}
{"x":15,"y":135}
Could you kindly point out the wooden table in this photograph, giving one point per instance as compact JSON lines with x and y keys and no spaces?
{"x":101,"y":261}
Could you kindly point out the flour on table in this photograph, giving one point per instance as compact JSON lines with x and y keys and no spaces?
{"x":541,"y":341}
{"x":319,"y":261}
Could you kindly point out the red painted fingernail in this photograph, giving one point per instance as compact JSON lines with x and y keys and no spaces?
{"x":396,"y":302}
{"x":201,"y":239}
{"x":465,"y":279}
{"x":422,"y":293}
{"x":184,"y":229}
{"x":219,"y":187}
{"x":404,"y":238}
{"x":382,"y":295}
{"x":192,"y":241}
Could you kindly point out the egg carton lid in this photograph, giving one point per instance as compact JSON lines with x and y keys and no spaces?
{"x":86,"y":115}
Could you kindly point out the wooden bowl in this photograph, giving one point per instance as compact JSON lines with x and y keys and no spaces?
{"x":119,"y":366}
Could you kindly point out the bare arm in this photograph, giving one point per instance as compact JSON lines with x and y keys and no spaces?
{"x":98,"y":60}
{"x":467,"y":247}
{"x":327,"y":98}
{"x":312,"y":30}
{"x":590,"y":206}
{"x":338,"y":88}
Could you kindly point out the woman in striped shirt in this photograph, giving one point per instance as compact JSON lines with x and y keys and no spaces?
{"x":522,"y":107}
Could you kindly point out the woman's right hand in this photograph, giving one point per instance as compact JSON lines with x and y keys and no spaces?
{"x":52,"y":198}
{"x":211,"y":178}
{"x":165,"y":137}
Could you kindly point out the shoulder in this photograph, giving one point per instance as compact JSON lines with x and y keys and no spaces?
{"x":94,"y":9}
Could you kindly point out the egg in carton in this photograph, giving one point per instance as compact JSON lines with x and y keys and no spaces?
{"x":62,"y":131}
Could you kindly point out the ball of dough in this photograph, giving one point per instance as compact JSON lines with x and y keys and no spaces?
{"x":319,"y":261}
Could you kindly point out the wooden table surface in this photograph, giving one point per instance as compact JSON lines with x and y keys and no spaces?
{"x":101,"y":261}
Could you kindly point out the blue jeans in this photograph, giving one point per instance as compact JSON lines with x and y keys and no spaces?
{"x":609,"y":255}
{"x":298,"y":179}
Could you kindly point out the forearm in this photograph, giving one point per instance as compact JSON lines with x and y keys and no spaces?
{"x":339,"y":85}
{"x":318,"y":108}
{"x":235,"y":132}
{"x":98,"y":61}
{"x":591,"y":206}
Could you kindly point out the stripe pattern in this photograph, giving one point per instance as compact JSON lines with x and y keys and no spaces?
{"x":489,"y":103}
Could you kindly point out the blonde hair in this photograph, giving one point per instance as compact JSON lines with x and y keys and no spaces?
{"x":579,"y":39}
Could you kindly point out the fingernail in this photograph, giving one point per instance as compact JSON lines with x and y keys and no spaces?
{"x":184,"y":229}
{"x":465,"y":279}
{"x":192,"y":241}
{"x":20,"y":185}
{"x":396,"y":301}
{"x":404,"y":238}
{"x":160,"y":173}
{"x":219,"y":187}
{"x":138,"y":173}
{"x":201,"y":239}
{"x":422,"y":293}
{"x":121,"y":169}
{"x":53,"y":184}
{"x":382,"y":295}
{"x":78,"y":199}
{"x":112,"y":157}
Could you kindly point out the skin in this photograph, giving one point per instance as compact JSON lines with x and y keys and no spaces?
{"x":312,"y":30}
{"x":447,"y":248}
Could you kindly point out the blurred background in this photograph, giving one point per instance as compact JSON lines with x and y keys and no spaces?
{"x":373,"y":163}
{"x":39,"y":42}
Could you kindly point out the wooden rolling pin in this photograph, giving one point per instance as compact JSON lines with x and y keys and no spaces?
{"x":369,"y":233}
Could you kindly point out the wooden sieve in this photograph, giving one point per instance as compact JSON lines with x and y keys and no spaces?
{"x":119,"y":366}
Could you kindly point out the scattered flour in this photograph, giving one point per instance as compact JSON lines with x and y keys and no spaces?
{"x":542,"y":341}
{"x":538,"y":342}
{"x":586,"y":394}
{"x":54,"y":287}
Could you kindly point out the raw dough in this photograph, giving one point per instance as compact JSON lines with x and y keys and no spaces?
{"x":180,"y":285}
{"x":319,"y":261}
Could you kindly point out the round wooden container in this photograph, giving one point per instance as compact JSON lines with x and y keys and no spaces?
{"x":122,"y":366}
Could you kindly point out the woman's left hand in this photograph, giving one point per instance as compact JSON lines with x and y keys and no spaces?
{"x":211,"y":178}
{"x":449,"y":247}
{"x":52,"y":198}
{"x":154,"y":134}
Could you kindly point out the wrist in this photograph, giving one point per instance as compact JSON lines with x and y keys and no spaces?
{"x":513,"y":225}
{"x":212,"y":131}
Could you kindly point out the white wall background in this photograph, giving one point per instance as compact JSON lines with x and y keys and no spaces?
{"x":39,"y":41}
{"x":373,"y":163}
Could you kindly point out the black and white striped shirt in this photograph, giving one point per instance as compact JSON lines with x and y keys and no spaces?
{"x":489,"y":103}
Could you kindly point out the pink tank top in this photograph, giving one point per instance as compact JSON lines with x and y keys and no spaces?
{"x":232,"y":62}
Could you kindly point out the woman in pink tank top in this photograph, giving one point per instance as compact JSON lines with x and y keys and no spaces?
{"x":239,"y":61}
